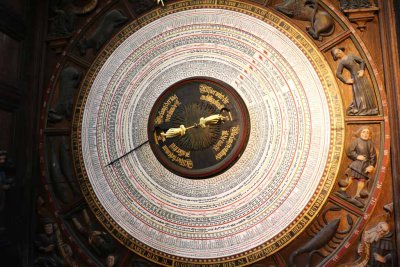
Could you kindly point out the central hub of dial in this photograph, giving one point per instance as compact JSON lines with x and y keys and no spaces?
{"x":198,"y":128}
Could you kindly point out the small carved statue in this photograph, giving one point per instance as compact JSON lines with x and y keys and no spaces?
{"x":111,"y":21}
{"x":375,"y":248}
{"x":363,"y":103}
{"x":46,"y":245}
{"x":307,"y":10}
{"x":363,"y":155}
{"x":376,"y":245}
{"x":111,"y":260}
{"x":69,"y":81}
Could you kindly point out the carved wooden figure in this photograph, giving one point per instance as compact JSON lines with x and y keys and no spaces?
{"x":363,"y":103}
{"x":363,"y":155}
{"x":376,"y":246}
{"x":324,"y":234}
{"x":307,"y":10}
{"x":111,"y":260}
{"x":46,"y":244}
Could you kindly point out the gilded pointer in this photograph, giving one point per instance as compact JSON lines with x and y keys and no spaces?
{"x":181,"y":131}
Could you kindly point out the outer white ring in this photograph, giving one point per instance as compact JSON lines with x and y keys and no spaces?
{"x":269,"y":185}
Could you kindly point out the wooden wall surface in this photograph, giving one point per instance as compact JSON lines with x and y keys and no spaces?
{"x":30,"y":58}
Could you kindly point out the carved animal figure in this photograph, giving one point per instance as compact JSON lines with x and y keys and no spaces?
{"x":64,"y":13}
{"x":69,"y":80}
{"x":307,"y":10}
{"x":322,"y":239}
{"x":111,"y":21}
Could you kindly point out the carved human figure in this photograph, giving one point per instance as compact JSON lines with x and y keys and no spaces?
{"x":376,"y":246}
{"x":111,"y":260}
{"x":46,"y":245}
{"x":363,"y":103}
{"x":363,"y":155}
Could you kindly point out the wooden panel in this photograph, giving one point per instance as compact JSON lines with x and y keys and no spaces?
{"x":15,"y":5}
{"x":11,"y":22}
{"x":6,"y":133}
{"x":9,"y":61}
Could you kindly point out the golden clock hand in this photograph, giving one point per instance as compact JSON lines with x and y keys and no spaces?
{"x":213,"y":119}
{"x":174,"y":132}
{"x":130,"y":151}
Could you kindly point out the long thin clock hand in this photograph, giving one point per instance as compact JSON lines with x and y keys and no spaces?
{"x":130,"y":151}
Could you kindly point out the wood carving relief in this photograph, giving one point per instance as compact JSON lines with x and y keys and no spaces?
{"x":359,"y":12}
{"x":321,"y":23}
{"x":103,"y":209}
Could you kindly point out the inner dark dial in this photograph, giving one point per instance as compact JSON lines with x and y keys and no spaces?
{"x":198,"y":128}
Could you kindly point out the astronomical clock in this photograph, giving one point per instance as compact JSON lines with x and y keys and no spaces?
{"x":214,"y":133}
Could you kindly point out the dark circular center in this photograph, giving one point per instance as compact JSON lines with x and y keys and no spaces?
{"x":198,"y":128}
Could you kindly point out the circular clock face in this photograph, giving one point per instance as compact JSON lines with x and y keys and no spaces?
{"x":198,"y":127}
{"x":242,"y":99}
